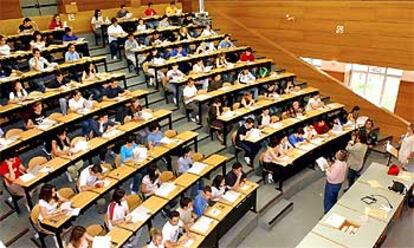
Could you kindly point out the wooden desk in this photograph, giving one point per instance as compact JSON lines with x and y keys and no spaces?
{"x":173,"y":194}
{"x":217,"y":160}
{"x":206,"y":231}
{"x":82,"y":199}
{"x":248,"y":187}
{"x":218,"y":211}
{"x":186,"y":180}
{"x":119,"y":236}
{"x":236,"y":202}
{"x":194,"y":242}
{"x":121,"y":172}
{"x":154,"y":204}
{"x":110,"y":184}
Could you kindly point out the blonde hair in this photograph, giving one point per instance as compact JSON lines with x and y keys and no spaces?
{"x":155,"y":232}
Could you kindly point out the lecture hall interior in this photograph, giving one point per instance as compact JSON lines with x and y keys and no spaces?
{"x":207,"y":123}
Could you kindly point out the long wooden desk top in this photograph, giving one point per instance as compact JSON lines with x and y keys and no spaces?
{"x":218,"y":211}
{"x":119,"y":236}
{"x":204,"y":230}
{"x":194,"y":241}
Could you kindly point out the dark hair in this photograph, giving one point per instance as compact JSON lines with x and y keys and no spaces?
{"x":355,"y":108}
{"x":186,"y":150}
{"x":46,"y":192}
{"x":96,"y":14}
{"x":102,"y":115}
{"x":34,"y":50}
{"x":226,"y":36}
{"x":27,"y":19}
{"x":274,"y":141}
{"x":217,"y":181}
{"x":36,"y":104}
{"x":54,"y":16}
{"x":172,"y":3}
{"x":71,"y":44}
{"x":113,"y":20}
{"x":153,"y":126}
{"x":207,"y":189}
{"x":174,"y":214}
{"x":68,"y":29}
{"x":362,"y":136}
{"x":60,"y":131}
{"x":343,"y":155}
{"x":75,"y":92}
{"x":76,"y":235}
{"x":152,"y":172}
{"x":123,"y":6}
{"x":236,"y":165}
{"x":96,"y":168}
{"x":184,"y":202}
{"x":300,"y":131}
{"x":250,"y":120}
{"x":149,"y":4}
{"x":190,"y":79}
{"x":118,"y":195}
{"x":130,"y":34}
{"x":59,"y":73}
{"x":130,"y":139}
{"x":36,"y":33}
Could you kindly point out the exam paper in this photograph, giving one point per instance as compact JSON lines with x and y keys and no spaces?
{"x":202,"y":224}
{"x":231,"y":196}
{"x":166,"y":140}
{"x":197,"y":168}
{"x":335,"y":220}
{"x":101,"y":242}
{"x":165,"y":189}
{"x":27,"y":177}
{"x":140,"y":214}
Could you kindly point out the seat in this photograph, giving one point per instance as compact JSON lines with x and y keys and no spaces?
{"x":34,"y":221}
{"x":170,"y":133}
{"x":133,"y":201}
{"x":212,"y":128}
{"x":95,"y":230}
{"x":66,"y":193}
{"x":197,"y":157}
{"x":166,"y":176}
{"x":237,"y":149}
{"x":14,"y":132}
{"x":38,"y":160}
{"x":236,"y":105}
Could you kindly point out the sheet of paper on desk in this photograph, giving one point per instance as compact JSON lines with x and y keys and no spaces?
{"x":112,"y":133}
{"x":307,"y":146}
{"x":322,"y":163}
{"x":27,"y":177}
{"x":166,"y":141}
{"x":374,"y":183}
{"x":188,"y":243}
{"x":74,"y":211}
{"x":6,"y":142}
{"x":202,"y":224}
{"x":335,"y":220}
{"x":318,"y":141}
{"x":165,"y":189}
{"x":66,"y":205}
{"x":140,"y":214}
{"x":101,"y":242}
{"x":231,"y":196}
{"x":245,"y":186}
{"x":215,"y":212}
{"x":197,"y":168}
{"x":146,"y":115}
{"x":80,"y":146}
{"x":276,"y":125}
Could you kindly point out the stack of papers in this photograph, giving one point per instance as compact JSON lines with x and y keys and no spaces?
{"x":188,"y":243}
{"x":322,"y":163}
{"x":228,"y":114}
{"x":146,"y":115}
{"x":165,"y":189}
{"x":276,"y":125}
{"x":166,"y":141}
{"x":101,"y":242}
{"x":46,"y":124}
{"x":80,"y":146}
{"x":202,"y":224}
{"x":231,"y":196}
{"x":27,"y":177}
{"x":140,"y":214}
{"x":140,"y":153}
{"x":335,"y":220}
{"x":197,"y":168}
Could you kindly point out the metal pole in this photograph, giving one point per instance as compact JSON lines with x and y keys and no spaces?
{"x":201,"y":6}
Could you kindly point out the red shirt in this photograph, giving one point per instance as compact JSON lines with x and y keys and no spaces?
{"x":54,"y":24}
{"x":245,"y":57}
{"x":321,"y":129}
{"x":149,"y":12}
{"x":4,"y":169}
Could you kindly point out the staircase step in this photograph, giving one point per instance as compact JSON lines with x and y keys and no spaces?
{"x":300,"y":180}
{"x":275,"y":213}
{"x":267,"y":196}
{"x":239,"y":231}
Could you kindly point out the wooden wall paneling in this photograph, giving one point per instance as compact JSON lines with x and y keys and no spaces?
{"x":404,"y":106}
{"x":10,"y":9}
{"x":232,"y":21}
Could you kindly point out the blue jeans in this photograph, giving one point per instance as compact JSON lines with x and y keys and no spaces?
{"x":331,"y":195}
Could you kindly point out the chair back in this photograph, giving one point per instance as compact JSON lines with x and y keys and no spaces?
{"x":170,"y":133}
{"x":14,"y":132}
{"x":197,"y":157}
{"x":261,"y":98}
{"x":66,"y":193}
{"x":166,"y":176}
{"x":236,"y":105}
{"x":34,"y":220}
{"x":38,"y":160}
{"x":133,"y":201}
{"x":95,"y":230}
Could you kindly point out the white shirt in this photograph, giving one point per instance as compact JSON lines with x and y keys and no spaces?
{"x":40,"y":65}
{"x":245,"y":78}
{"x":152,"y":187}
{"x":216,"y":194}
{"x":170,"y":232}
{"x":407,"y":147}
{"x":97,"y":23}
{"x":119,"y":212}
{"x":207,"y":32}
{"x":50,"y":207}
{"x":114,"y":31}
{"x":188,"y":92}
{"x":265,"y":120}
{"x":41,"y":45}
{"x":85,"y":178}
{"x":18,"y":95}
{"x":5,"y":49}
{"x":313,"y":102}
{"x":141,"y":28}
{"x":175,"y":75}
{"x":198,"y":68}
{"x":77,"y":105}
{"x":152,"y":245}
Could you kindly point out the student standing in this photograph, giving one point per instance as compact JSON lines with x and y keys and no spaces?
{"x":335,"y":176}
{"x":357,"y":149}
{"x":406,"y":152}
{"x":114,"y":31}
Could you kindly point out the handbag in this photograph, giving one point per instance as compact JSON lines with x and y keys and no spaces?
{"x":393,"y":170}
{"x":397,"y":187}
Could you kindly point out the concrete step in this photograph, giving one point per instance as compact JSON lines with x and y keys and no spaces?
{"x":275,"y":213}
{"x":14,"y":226}
{"x":299,"y":181}
{"x":267,"y":196}
{"x":239,"y":231}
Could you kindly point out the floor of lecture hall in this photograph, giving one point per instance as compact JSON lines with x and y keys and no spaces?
{"x":306,"y":212}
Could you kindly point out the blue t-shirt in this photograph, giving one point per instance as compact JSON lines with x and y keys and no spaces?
{"x":127,"y":152}
{"x":69,"y":37}
{"x":294,"y":139}
{"x":155,"y":138}
{"x":200,"y":204}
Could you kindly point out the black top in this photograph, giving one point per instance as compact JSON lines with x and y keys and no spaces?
{"x":241,"y":131}
{"x":37,"y":119}
{"x":113,"y":92}
{"x":212,"y":113}
{"x":231,"y":178}
{"x":5,"y":70}
{"x":56,"y":84}
{"x":24,"y":28}
{"x":215,"y":85}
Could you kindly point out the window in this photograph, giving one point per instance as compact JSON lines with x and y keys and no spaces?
{"x":314,"y":62}
{"x":39,"y":7}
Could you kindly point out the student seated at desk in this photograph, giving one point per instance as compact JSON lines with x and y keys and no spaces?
{"x":78,"y":103}
{"x":122,"y":12}
{"x":11,"y":169}
{"x":235,"y":177}
{"x":114,"y":31}
{"x":90,"y":74}
{"x":127,"y":150}
{"x":60,"y":82}
{"x":163,"y":23}
{"x":272,"y":155}
{"x":102,"y":125}
{"x":155,"y":136}
{"x":185,"y":210}
{"x":60,"y":144}
{"x":18,"y":93}
{"x":69,"y":35}
{"x":89,"y":177}
{"x":4,"y":47}
{"x":79,"y":238}
{"x":172,"y":9}
{"x":36,"y":116}
{"x":353,"y":115}
{"x":218,"y":188}
{"x":247,"y":100}
{"x":150,"y":182}
{"x":156,"y":239}
{"x":184,"y":163}
{"x":172,"y":230}
{"x":71,"y":55}
{"x":56,"y":22}
{"x":264,"y":118}
{"x":38,"y":41}
{"x":39,"y":63}
{"x":335,"y":176}
{"x":189,"y":92}
{"x":149,"y":11}
{"x":310,"y":132}
{"x":201,"y":201}
{"x":26,"y":26}
{"x":225,"y":42}
{"x":294,"y":111}
{"x":131,"y":44}
{"x":214,"y":111}
{"x":321,"y":126}
{"x":205,"y":47}
{"x":216,"y":83}
{"x":96,"y":22}
{"x":174,"y":75}
{"x":297,"y":137}
{"x":250,"y":149}
{"x":49,"y":202}
{"x":221,"y":61}
{"x":141,"y":25}
{"x":247,"y":56}
{"x":118,"y":209}
{"x":200,"y":68}
{"x":314,"y":102}
{"x":183,"y":34}
{"x":246,"y":77}
{"x":207,"y":31}
{"x":114,"y":90}
{"x":178,"y":52}
{"x":132,"y":112}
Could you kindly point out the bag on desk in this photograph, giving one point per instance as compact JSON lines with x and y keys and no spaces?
{"x":393,"y":170}
{"x":397,"y":187}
